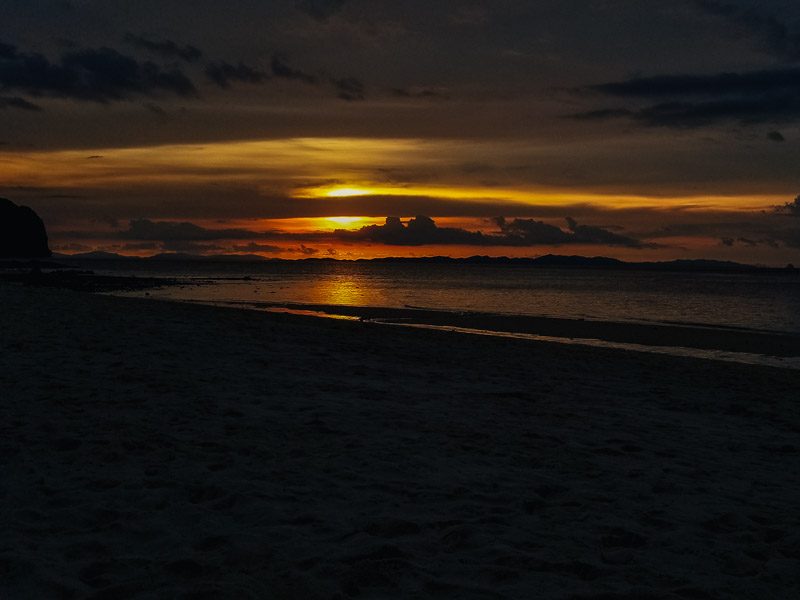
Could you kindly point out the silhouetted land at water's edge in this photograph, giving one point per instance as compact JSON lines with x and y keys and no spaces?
{"x":22,"y":232}
{"x":549,"y":260}
{"x":87,"y":281}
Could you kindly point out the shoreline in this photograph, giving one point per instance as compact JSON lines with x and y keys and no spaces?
{"x":163,"y":449}
{"x":666,"y":338}
{"x":673,"y":335}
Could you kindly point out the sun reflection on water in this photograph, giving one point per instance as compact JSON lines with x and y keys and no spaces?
{"x":339,"y":290}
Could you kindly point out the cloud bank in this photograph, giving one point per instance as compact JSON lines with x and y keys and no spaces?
{"x":418,"y":231}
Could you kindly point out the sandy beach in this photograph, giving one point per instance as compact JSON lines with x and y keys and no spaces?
{"x":162,"y":450}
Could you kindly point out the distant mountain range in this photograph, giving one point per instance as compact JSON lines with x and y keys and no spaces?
{"x":100,"y":255}
{"x":549,"y":260}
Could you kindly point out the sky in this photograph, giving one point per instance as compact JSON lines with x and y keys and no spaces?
{"x":636,"y":129}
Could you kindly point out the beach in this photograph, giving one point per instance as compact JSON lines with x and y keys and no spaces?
{"x":153,"y":449}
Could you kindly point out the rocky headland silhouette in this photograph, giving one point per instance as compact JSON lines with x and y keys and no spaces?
{"x":22,"y":232}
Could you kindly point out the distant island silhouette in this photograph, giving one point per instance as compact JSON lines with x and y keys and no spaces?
{"x":548,"y":260}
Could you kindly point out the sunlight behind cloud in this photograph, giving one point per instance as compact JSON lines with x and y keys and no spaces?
{"x":338,"y":168}
{"x":344,"y":220}
{"x":338,"y":192}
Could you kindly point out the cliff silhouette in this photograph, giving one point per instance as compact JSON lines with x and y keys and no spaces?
{"x":22,"y":232}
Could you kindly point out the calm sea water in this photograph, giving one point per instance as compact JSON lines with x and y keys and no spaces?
{"x":767,"y":301}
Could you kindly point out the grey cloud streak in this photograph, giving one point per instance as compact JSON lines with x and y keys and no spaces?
{"x":748,"y":82}
{"x":346,"y":88}
{"x":104,"y":75}
{"x":165,"y":48}
{"x":222,"y":74}
{"x":284,"y":71}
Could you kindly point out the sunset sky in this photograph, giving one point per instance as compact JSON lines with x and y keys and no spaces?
{"x":636,"y":129}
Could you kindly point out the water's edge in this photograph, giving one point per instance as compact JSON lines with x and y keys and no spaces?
{"x":754,"y":347}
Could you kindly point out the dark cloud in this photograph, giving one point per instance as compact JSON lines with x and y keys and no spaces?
{"x":746,"y":111}
{"x":224,"y":73}
{"x":775,"y":136}
{"x":750,"y":243}
{"x":17,"y":102}
{"x":422,"y":230}
{"x":320,"y":10}
{"x":165,"y":48}
{"x":284,"y":71}
{"x":760,"y":242}
{"x":108,"y":220}
{"x":253,"y":247}
{"x":305,"y":250}
{"x":420,"y":92}
{"x":530,"y":231}
{"x":98,"y":75}
{"x":145,"y":229}
{"x":773,"y":36}
{"x":419,"y":231}
{"x":348,"y":88}
{"x":750,"y":83}
{"x":603,"y":114}
{"x":765,"y":96}
{"x":156,"y":110}
{"x":790,"y":208}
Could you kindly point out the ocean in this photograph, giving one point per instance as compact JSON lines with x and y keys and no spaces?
{"x":766,"y":301}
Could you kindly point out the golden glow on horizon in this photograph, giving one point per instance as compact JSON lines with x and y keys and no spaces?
{"x":305,"y":167}
{"x":300,"y":224}
{"x":344,"y":220}
{"x":338,"y":192}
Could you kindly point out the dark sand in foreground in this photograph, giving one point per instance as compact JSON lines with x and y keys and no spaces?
{"x":158,"y":450}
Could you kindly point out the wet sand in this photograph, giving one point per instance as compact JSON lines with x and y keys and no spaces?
{"x":727,"y":339}
{"x":162,"y":450}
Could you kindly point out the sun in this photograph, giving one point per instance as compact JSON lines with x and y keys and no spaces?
{"x":338,"y":192}
{"x":344,"y":220}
